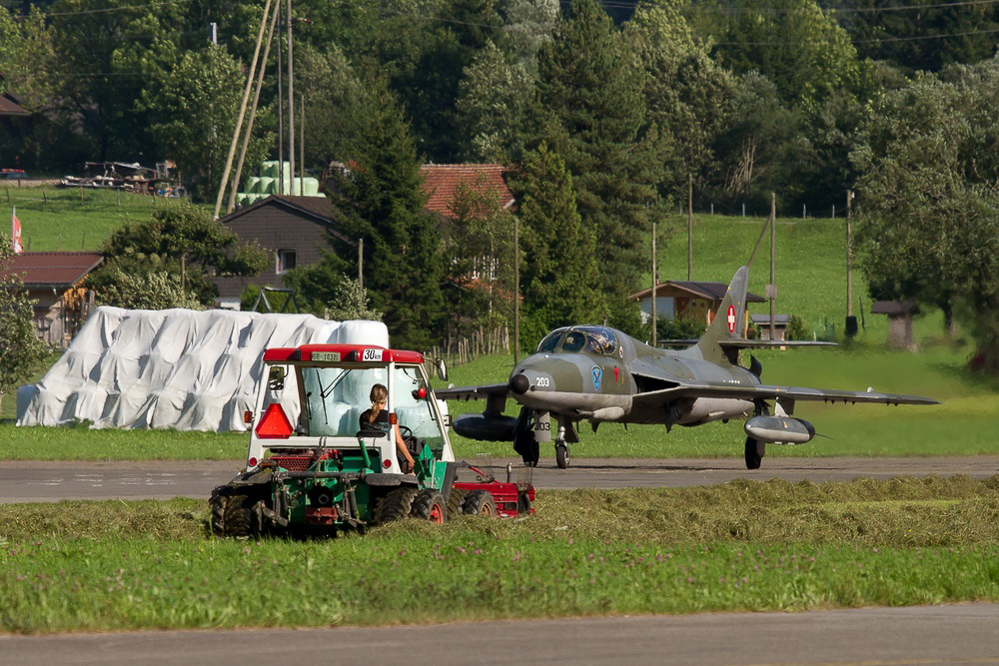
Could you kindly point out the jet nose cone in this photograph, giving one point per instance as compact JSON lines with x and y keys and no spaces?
{"x":520,"y":384}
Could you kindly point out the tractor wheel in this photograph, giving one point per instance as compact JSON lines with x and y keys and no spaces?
{"x":237,"y":519}
{"x":454,"y":502}
{"x":429,"y":505}
{"x":395,"y":505}
{"x":479,"y":503}
{"x":217,"y":504}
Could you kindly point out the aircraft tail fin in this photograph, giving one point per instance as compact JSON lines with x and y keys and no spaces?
{"x":729,"y":321}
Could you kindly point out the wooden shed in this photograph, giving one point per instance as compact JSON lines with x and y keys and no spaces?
{"x":900,"y":315}
{"x":686,"y":300}
{"x":54,"y":280}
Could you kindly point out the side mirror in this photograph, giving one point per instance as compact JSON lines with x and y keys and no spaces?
{"x":275,"y":378}
{"x":442,"y":369}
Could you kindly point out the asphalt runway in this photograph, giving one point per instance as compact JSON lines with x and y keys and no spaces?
{"x":954,"y":634}
{"x":30,"y":481}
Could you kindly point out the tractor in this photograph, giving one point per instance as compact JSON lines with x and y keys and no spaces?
{"x":313,"y":468}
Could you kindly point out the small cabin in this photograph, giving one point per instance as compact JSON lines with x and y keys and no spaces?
{"x":686,"y":300}
{"x":761,"y":322}
{"x":55,"y":281}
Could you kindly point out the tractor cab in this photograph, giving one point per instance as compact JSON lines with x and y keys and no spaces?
{"x":314,"y":397}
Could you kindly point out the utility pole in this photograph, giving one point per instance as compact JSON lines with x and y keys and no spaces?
{"x":654,"y":320}
{"x":291,"y":102}
{"x":253,"y":110}
{"x":690,"y":227}
{"x":851,"y":321}
{"x":242,"y":109}
{"x":280,"y":91}
{"x":516,"y":289}
{"x":301,"y":143}
{"x":360,"y":267}
{"x":772,"y":287}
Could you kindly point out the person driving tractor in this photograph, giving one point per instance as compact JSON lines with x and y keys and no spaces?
{"x":377,"y":418}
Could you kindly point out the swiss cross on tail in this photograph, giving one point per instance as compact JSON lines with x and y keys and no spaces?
{"x":731,"y":319}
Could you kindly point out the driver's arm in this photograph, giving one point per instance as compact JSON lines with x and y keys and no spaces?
{"x":403,"y":449}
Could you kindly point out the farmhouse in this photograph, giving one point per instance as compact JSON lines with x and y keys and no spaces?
{"x":54,"y":280}
{"x":294,"y":228}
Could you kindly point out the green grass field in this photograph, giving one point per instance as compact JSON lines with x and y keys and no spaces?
{"x":99,"y":566}
{"x":55,"y":219}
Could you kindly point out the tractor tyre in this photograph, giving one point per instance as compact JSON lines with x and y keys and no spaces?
{"x":396,"y":505}
{"x":454,"y":502}
{"x":217,"y":504}
{"x":479,"y":503}
{"x":237,"y":518}
{"x":429,"y":505}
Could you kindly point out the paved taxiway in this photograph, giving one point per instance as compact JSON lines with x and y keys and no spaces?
{"x":957,"y":634}
{"x":29,"y":481}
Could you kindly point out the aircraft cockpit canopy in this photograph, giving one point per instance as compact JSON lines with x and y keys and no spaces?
{"x":592,"y":339}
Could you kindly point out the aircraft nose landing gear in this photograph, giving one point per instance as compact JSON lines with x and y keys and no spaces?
{"x":561,"y":449}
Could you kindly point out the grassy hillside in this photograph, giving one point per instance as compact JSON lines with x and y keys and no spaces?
{"x":54,"y":219}
{"x":810,"y":268}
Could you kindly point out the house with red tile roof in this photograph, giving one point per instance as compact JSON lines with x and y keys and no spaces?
{"x":294,"y":228}
{"x":442,"y":182}
{"x":54,"y":280}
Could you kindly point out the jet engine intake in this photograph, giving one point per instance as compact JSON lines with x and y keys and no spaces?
{"x":779,"y":429}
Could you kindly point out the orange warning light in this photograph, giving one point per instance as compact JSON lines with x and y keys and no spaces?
{"x":274,"y":424}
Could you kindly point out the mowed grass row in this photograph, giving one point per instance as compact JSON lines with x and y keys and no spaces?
{"x":965,"y":423}
{"x":741,"y":546}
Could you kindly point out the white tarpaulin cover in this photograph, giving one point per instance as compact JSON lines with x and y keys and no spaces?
{"x":180,"y":369}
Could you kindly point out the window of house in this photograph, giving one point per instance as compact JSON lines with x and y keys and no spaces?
{"x":286,"y":260}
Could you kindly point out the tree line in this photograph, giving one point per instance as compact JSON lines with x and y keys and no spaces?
{"x":603,"y":115}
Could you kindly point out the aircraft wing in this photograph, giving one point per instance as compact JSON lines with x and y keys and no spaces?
{"x":773,"y":392}
{"x":483,"y":392}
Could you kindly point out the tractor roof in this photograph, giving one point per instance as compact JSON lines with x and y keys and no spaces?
{"x":339,"y":353}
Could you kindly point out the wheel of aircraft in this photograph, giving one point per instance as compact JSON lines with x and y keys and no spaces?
{"x":561,"y":455}
{"x":754,"y":453}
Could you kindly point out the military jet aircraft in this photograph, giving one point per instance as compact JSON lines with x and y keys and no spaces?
{"x":599,"y":374}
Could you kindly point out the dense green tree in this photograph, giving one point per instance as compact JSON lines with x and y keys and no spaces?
{"x":378,"y":198}
{"x":930,"y":228}
{"x":194,"y":114}
{"x":326,"y":291}
{"x":687,"y":94}
{"x":795,"y":44}
{"x":479,"y":268}
{"x":20,"y":350}
{"x":922,"y":35}
{"x":108,"y":54}
{"x":590,"y":96}
{"x":184,"y":243}
{"x":333,"y":108}
{"x":754,"y":146}
{"x":560,"y":283}
{"x":494,"y":105}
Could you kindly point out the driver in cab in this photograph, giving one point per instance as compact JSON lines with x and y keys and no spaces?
{"x":377,"y":418}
